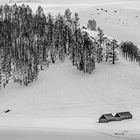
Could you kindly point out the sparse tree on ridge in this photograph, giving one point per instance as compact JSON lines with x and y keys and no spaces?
{"x":91,"y":25}
{"x":100,"y":40}
{"x":67,"y":17}
{"x":89,"y":54}
{"x":112,"y":51}
{"x":138,"y":57}
{"x":129,"y":50}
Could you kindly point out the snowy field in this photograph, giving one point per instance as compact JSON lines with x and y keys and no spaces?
{"x":65,"y":104}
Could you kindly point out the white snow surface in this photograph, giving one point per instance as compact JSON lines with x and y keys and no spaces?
{"x":64,"y":103}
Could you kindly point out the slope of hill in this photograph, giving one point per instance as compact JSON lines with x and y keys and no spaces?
{"x":65,"y":98}
{"x":65,"y":103}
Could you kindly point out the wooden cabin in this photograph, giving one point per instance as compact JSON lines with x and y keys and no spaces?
{"x":105,"y":118}
{"x":122,"y":116}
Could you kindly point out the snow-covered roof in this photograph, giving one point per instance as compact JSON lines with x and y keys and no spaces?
{"x":107,"y":117}
{"x":123,"y":115}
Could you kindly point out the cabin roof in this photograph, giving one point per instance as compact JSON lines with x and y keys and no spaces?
{"x":124,"y":114}
{"x":107,"y":116}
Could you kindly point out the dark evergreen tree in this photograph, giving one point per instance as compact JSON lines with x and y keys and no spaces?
{"x":112,"y":51}
{"x":100,"y":39}
{"x":91,"y":25}
{"x":138,"y":57}
{"x":129,"y":50}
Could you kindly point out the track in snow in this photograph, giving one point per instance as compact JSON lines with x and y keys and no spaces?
{"x":62,"y":90}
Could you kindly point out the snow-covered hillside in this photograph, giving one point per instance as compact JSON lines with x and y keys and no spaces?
{"x":64,"y":98}
{"x":64,"y":103}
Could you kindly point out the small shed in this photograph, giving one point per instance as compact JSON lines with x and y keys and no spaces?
{"x":122,"y":116}
{"x":105,"y":118}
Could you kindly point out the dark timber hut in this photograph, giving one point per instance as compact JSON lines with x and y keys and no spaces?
{"x":105,"y":118}
{"x":122,"y":116}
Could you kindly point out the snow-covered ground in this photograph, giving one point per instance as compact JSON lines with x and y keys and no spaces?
{"x":65,"y":104}
{"x":70,"y":102}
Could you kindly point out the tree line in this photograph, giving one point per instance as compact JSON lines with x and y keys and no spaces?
{"x":130,"y":51}
{"x":28,"y":41}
